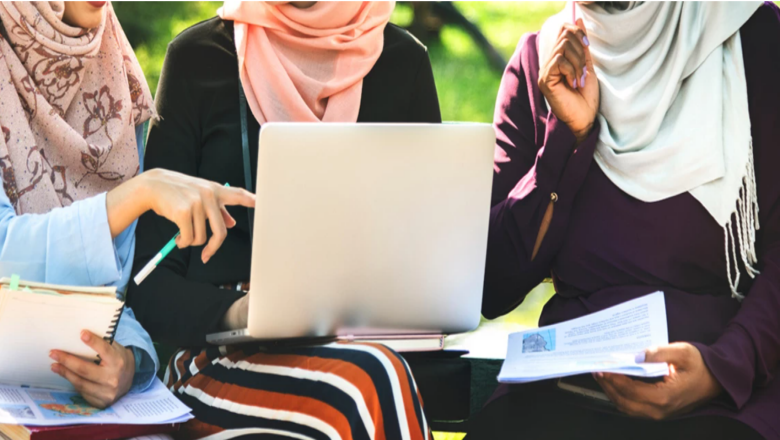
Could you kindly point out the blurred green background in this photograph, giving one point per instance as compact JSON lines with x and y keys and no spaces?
{"x":466,"y":83}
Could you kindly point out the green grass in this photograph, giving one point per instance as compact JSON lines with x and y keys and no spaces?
{"x":448,"y":435}
{"x":150,"y":26}
{"x":466,"y":84}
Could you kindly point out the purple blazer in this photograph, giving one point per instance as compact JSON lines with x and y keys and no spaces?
{"x":604,"y":247}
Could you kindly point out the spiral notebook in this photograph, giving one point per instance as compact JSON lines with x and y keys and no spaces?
{"x":36,"y":318}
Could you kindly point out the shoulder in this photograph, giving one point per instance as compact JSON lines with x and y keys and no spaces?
{"x":523,"y":68}
{"x":399,"y":41}
{"x":763,"y":25}
{"x":526,"y":55}
{"x":400,"y":60}
{"x":207,"y":42}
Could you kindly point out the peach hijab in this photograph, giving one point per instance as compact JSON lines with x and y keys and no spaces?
{"x":306,"y":65}
{"x":70,"y":100}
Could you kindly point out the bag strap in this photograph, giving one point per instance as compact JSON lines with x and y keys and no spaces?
{"x":4,"y":33}
{"x":245,"y":151}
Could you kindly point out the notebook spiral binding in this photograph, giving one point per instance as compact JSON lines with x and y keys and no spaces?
{"x":111,"y":333}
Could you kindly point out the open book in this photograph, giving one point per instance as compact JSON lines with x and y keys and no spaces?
{"x":612,"y":340}
{"x":36,"y":318}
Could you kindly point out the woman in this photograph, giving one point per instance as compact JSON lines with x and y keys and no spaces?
{"x":637,"y":152}
{"x":302,"y":61}
{"x":73,"y":103}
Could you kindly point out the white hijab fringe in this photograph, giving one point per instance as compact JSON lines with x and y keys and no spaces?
{"x":745,"y":218}
{"x":666,"y":70}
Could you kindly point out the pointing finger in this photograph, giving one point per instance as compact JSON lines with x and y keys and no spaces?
{"x":235,"y":196}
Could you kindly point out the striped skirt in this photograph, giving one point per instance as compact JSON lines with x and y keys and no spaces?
{"x":336,"y":391}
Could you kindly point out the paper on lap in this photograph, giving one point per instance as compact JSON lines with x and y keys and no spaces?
{"x":45,"y":407}
{"x":612,"y":340}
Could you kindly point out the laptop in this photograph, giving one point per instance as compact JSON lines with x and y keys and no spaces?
{"x":368,"y":229}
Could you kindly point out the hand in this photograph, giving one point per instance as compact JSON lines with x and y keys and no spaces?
{"x":237,"y":316}
{"x":100,"y":385}
{"x":185,"y":200}
{"x":569,"y":82}
{"x":688,"y":385}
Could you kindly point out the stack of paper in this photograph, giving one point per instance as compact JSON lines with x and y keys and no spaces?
{"x":612,"y":341}
{"x":44,"y":407}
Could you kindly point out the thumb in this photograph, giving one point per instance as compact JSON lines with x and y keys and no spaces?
{"x":677,"y":354}
{"x":100,"y":345}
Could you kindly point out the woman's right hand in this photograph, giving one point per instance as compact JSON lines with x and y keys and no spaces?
{"x":185,"y":200}
{"x":569,"y":82}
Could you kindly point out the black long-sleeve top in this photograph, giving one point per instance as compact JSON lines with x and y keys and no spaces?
{"x":199,"y":133}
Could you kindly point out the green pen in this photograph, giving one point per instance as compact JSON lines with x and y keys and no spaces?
{"x":152,"y":264}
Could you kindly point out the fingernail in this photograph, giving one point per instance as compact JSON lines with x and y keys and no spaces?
{"x":54,"y":356}
{"x":582,"y":80}
{"x":85,"y":336}
{"x":55,"y":368}
{"x":639,"y":358}
{"x":585,"y":40}
{"x":575,"y":83}
{"x":600,"y":375}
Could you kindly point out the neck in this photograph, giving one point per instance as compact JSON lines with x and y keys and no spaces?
{"x":303,"y":5}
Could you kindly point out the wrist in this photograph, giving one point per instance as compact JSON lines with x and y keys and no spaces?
{"x":141,"y":190}
{"x":127,"y":202}
{"x":130,"y":356}
{"x":582,"y":134}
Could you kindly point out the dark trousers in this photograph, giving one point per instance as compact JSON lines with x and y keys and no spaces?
{"x":542,"y":411}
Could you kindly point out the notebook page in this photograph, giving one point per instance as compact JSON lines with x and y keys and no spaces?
{"x":33,"y":324}
{"x":100,"y":291}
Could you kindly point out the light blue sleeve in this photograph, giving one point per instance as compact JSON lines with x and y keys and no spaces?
{"x":73,"y":245}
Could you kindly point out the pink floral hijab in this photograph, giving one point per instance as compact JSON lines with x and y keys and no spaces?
{"x":70,"y":100}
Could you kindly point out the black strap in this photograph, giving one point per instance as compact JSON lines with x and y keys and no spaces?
{"x":245,"y":150}
{"x":4,"y":33}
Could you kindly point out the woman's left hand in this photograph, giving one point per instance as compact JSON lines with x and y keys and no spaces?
{"x":688,"y":385}
{"x":100,"y":385}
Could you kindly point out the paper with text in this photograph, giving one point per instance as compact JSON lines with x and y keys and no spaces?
{"x":44,"y":407}
{"x":612,"y":340}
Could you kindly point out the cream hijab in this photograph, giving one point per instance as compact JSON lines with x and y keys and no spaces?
{"x":306,"y":65}
{"x":674,"y":112}
{"x":70,"y":100}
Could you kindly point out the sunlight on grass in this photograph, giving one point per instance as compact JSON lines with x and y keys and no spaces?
{"x":448,"y":435}
{"x":466,"y":84}
{"x":503,"y":23}
{"x":402,"y":15}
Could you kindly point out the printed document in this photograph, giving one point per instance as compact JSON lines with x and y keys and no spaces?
{"x":611,"y":341}
{"x":44,"y":407}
